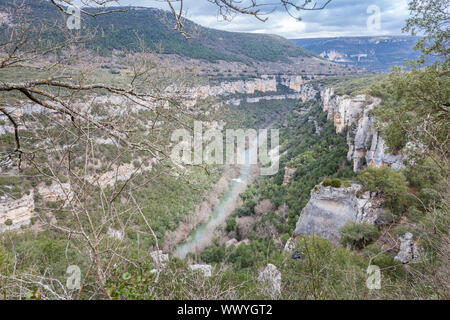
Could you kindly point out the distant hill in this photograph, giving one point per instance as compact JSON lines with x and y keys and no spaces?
{"x":375,"y":54}
{"x":156,"y":28}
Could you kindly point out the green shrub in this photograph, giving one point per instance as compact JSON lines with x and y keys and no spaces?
{"x":430,"y":197}
{"x":336,"y":183}
{"x":401,"y":231}
{"x":16,"y":192}
{"x":8,"y":222}
{"x":386,"y":217}
{"x":327,"y":183}
{"x":231,"y":224}
{"x":213,"y":253}
{"x":378,"y":257}
{"x":414,"y":214}
{"x":388,"y":183}
{"x":358,"y":235}
{"x":347,"y":184}
{"x":243,"y":257}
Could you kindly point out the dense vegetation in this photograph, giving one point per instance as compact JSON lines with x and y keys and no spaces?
{"x":414,"y":114}
{"x":154,"y":29}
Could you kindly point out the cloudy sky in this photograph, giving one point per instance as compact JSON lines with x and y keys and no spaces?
{"x":340,"y":18}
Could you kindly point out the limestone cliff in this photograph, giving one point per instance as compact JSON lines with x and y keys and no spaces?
{"x":241,"y":86}
{"x":16,"y":213}
{"x":366,"y":146}
{"x":292,"y":82}
{"x":265,"y":84}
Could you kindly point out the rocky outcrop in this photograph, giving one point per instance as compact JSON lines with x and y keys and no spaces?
{"x":265,"y":84}
{"x":271,"y":278}
{"x":409,"y":250}
{"x":119,"y":173}
{"x":226,"y":88}
{"x":292,"y":82}
{"x":268,"y":98}
{"x":335,"y":56}
{"x":366,"y":147}
{"x":307,"y":92}
{"x":329,"y":209}
{"x":55,"y":192}
{"x":16,"y":213}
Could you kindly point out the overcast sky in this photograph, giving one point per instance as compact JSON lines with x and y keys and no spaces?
{"x":340,"y":18}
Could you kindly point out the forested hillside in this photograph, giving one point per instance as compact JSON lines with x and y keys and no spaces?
{"x":125,"y":30}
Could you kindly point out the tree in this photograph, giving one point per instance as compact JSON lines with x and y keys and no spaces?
{"x":413,"y":117}
{"x":431,"y":17}
{"x":387,"y":183}
{"x":415,"y":109}
{"x":75,"y":136}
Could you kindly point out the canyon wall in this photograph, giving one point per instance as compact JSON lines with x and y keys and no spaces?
{"x":16,"y":213}
{"x":265,"y":84}
{"x":329,"y":209}
{"x":366,"y":146}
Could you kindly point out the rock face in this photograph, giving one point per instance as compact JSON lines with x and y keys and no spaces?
{"x":17,"y":212}
{"x":55,"y":192}
{"x":366,"y":147}
{"x":307,"y":92}
{"x":266,"y":84}
{"x":330,"y":208}
{"x":292,"y":82}
{"x":271,"y":278}
{"x":408,"y":249}
{"x":205,"y":268}
{"x":226,"y":88}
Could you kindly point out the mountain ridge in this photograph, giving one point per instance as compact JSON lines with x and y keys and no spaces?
{"x":373,"y":53}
